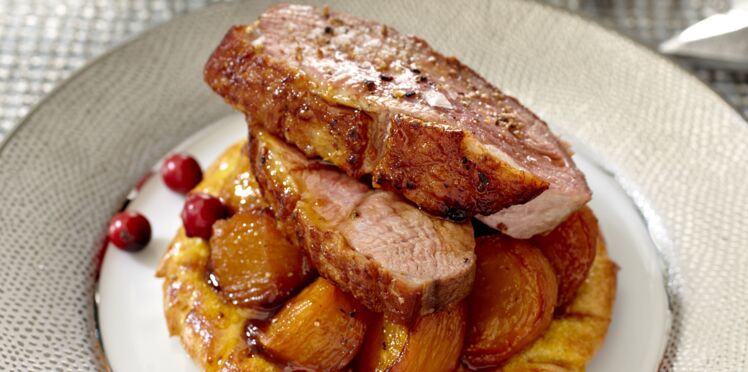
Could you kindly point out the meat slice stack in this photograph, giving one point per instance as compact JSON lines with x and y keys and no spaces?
{"x":373,"y":244}
{"x":374,"y":102}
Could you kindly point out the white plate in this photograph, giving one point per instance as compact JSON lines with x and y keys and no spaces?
{"x":134,"y":331}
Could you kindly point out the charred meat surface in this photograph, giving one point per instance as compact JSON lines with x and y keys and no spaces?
{"x":373,"y":101}
{"x":373,"y":244}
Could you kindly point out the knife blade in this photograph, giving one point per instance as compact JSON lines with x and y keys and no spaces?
{"x":720,"y":40}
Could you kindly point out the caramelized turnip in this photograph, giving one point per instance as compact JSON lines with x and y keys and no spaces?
{"x":252,"y":263}
{"x":512,"y":302}
{"x":570,"y":248}
{"x":321,"y":328}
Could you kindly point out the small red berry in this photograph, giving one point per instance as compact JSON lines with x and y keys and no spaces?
{"x":181,"y":173}
{"x":200,"y":212}
{"x":129,"y":231}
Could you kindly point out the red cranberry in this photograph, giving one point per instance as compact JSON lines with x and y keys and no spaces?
{"x":129,"y":231}
{"x":181,"y":173}
{"x":200,"y":212}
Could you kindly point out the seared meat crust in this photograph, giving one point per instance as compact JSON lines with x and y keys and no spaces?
{"x":372,"y":101}
{"x":373,"y":244}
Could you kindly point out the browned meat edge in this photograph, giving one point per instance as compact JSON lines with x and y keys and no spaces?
{"x":355,"y":273}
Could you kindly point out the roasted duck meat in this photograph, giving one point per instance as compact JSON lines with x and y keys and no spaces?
{"x":375,"y":102}
{"x":373,"y":244}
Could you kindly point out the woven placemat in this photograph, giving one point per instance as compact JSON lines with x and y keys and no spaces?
{"x":43,"y":41}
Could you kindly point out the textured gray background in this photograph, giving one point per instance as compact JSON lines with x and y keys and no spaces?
{"x":43,"y":41}
{"x":677,"y":147}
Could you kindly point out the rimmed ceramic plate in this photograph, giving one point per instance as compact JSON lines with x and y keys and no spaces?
{"x":669,"y":147}
{"x":130,"y":299}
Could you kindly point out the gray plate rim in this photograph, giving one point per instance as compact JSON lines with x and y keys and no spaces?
{"x":659,"y":231}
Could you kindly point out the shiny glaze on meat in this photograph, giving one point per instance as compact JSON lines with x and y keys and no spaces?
{"x":373,"y":101}
{"x":372,"y":244}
